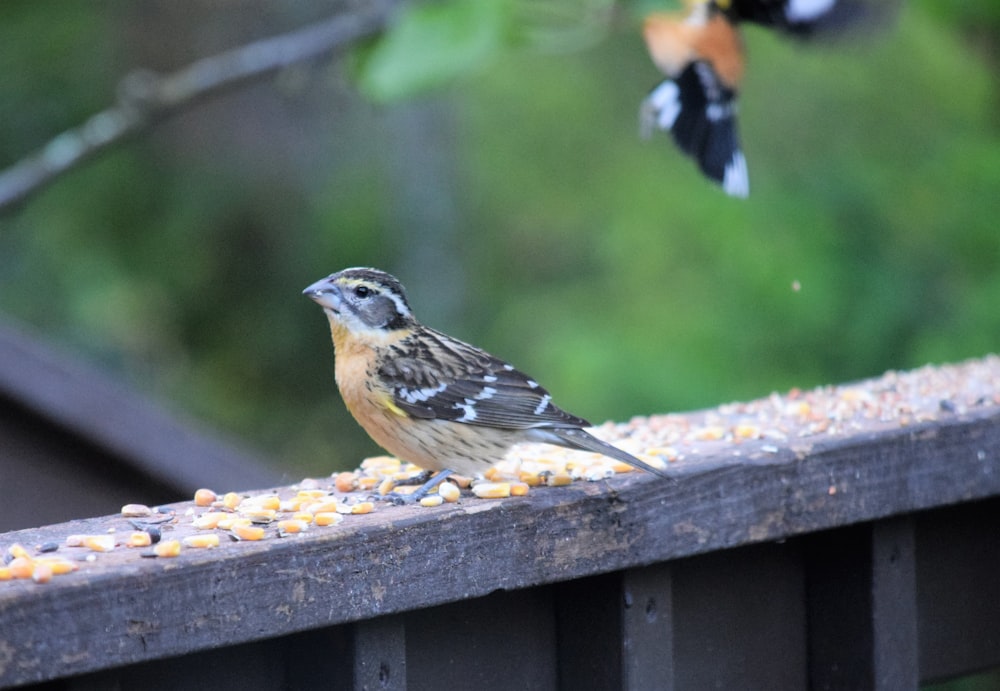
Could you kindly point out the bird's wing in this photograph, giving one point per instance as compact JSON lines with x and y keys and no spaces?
{"x":438,"y":377}
{"x":700,"y":113}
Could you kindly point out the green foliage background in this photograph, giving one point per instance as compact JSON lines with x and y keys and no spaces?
{"x":517,"y":203}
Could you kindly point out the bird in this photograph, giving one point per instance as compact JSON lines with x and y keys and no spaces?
{"x":702,"y":55}
{"x":430,"y":399}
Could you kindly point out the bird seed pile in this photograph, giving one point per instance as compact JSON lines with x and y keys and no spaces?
{"x":678,"y":442}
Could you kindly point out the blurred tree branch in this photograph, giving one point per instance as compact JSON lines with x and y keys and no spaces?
{"x":145,"y":97}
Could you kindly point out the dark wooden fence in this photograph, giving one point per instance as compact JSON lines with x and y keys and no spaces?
{"x":856,"y":559}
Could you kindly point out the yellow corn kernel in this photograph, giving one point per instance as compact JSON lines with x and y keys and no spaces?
{"x":367,"y":482}
{"x":263,"y":501}
{"x":230,"y":521}
{"x":325,"y":506}
{"x":380,"y":462}
{"x":248,"y":532}
{"x":491,"y":490}
{"x":58,"y":565}
{"x":210,"y":520}
{"x":303,"y":516}
{"x":529,"y":478}
{"x":21,"y":567}
{"x":99,"y":543}
{"x":139,"y":538}
{"x":345,"y":482}
{"x":449,"y":491}
{"x":18,"y":550}
{"x":202,"y":541}
{"x":204,"y":497}
{"x":711,"y":433}
{"x":292,"y":526}
{"x":518,"y":489}
{"x":363,"y":507}
{"x":746,"y":432}
{"x":386,"y":486}
{"x":432,"y":500}
{"x":327,"y":518}
{"x":5,"y":574}
{"x":231,"y":500}
{"x":136,"y":511}
{"x":167,"y":548}
{"x":42,"y":573}
{"x":559,"y":479}
{"x":259,"y":515}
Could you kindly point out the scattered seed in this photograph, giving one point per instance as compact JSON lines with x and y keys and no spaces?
{"x":50,"y":546}
{"x":432,"y":500}
{"x":205,"y":540}
{"x":99,"y":543}
{"x":363,"y":507}
{"x":231,"y":500}
{"x":167,"y":548}
{"x":139,"y":539}
{"x":247,"y":532}
{"x":42,"y":573}
{"x":491,"y":490}
{"x":327,"y":518}
{"x":136,"y":511}
{"x":204,"y":497}
{"x":449,"y":491}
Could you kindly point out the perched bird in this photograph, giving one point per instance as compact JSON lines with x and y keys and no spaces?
{"x":431,"y":399}
{"x":703,"y":57}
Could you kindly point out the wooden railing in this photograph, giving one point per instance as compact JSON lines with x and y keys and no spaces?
{"x":858,"y":552}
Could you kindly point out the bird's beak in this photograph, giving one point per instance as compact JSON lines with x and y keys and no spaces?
{"x":325,"y":293}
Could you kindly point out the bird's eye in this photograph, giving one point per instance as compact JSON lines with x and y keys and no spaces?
{"x":362,"y":291}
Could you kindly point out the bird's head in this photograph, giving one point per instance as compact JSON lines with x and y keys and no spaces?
{"x":362,"y":300}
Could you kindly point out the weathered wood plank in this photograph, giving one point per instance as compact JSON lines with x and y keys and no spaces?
{"x":124,"y":609}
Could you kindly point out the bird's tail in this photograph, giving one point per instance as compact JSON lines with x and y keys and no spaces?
{"x":573,"y":438}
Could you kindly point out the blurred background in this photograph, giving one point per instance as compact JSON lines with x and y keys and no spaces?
{"x":518,"y":205}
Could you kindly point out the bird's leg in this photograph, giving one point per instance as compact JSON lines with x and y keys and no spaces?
{"x":421,"y":491}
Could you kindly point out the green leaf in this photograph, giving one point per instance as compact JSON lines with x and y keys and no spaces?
{"x":432,"y":44}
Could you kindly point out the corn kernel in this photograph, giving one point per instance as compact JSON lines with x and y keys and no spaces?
{"x":323,"y":506}
{"x":432,"y":500}
{"x":99,"y":543}
{"x":204,"y":497}
{"x":292,"y":526}
{"x":230,"y":521}
{"x":449,"y":491}
{"x":75,"y":540}
{"x":327,"y":518}
{"x":167,"y":548}
{"x":18,"y":550}
{"x":42,"y":573}
{"x":248,"y":532}
{"x":136,"y":511}
{"x":363,"y":507}
{"x":139,"y":538}
{"x":21,"y":567}
{"x":259,"y":515}
{"x":529,"y":478}
{"x":491,"y":490}
{"x":380,"y":462}
{"x":559,"y":479}
{"x":231,"y":500}
{"x":344,"y":482}
{"x":210,"y":520}
{"x":202,"y":541}
{"x":59,"y":565}
{"x":386,"y":486}
{"x":5,"y":574}
{"x":311,"y":494}
{"x":367,"y":482}
{"x":303,"y":516}
{"x":518,"y":489}
{"x":264,"y":501}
